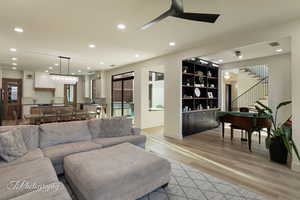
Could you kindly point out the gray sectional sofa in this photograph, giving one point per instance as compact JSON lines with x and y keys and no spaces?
{"x":49,"y":144}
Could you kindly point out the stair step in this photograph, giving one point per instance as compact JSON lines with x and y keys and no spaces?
{"x":244,"y":69}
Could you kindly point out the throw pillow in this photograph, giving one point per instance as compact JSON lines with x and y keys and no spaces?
{"x":12,"y":145}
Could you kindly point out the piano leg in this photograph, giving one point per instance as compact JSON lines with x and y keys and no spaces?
{"x":269,"y":132}
{"x":249,"y":140}
{"x":231,"y":134}
{"x":223,"y":129}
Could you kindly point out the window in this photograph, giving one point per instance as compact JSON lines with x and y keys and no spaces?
{"x":156,"y":91}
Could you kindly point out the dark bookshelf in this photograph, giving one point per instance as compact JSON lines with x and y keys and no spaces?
{"x":199,"y":113}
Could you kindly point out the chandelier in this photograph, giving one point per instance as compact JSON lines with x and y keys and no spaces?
{"x":64,"y":78}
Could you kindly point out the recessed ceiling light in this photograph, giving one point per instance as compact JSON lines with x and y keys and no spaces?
{"x":137,"y":55}
{"x":18,"y":29}
{"x":92,"y":46}
{"x":121,"y":26}
{"x":14,"y":64}
{"x":13,"y":49}
{"x":221,"y":60}
{"x":47,"y":71}
{"x":279,"y":50}
{"x":88,"y":68}
{"x":172,"y":44}
{"x":14,"y":59}
{"x":14,"y":68}
{"x":226,"y":75}
{"x":56,"y":64}
{"x":101,"y":63}
{"x":73,"y":73}
{"x":50,"y":68}
{"x":79,"y":71}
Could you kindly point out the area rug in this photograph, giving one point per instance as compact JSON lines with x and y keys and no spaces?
{"x":188,"y":183}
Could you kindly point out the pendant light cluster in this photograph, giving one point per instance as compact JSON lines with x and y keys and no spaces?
{"x":64,"y":78}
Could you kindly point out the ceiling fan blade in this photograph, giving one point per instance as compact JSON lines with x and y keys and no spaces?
{"x":158,"y":19}
{"x":209,"y":18}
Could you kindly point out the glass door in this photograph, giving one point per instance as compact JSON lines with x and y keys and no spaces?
{"x":122,"y":95}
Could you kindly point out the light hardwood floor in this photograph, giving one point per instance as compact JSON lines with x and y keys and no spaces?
{"x":230,"y":161}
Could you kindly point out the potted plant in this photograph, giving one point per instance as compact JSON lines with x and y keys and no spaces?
{"x":280,"y":142}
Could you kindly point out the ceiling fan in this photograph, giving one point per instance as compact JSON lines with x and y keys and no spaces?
{"x":177,"y":10}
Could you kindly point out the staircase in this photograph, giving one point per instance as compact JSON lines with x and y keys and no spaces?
{"x":258,"y":78}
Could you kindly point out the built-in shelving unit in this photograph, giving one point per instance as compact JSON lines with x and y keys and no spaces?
{"x":203,"y":76}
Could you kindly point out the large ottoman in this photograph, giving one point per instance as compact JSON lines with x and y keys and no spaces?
{"x":122,"y":172}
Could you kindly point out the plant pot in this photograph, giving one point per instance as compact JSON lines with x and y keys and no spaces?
{"x":278,"y":151}
{"x":268,"y":142}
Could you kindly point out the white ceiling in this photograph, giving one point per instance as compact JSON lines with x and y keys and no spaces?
{"x":252,"y":51}
{"x":67,"y":27}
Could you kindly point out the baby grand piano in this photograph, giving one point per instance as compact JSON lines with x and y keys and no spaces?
{"x":250,"y":122}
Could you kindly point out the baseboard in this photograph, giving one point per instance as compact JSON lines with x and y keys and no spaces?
{"x":296,"y":166}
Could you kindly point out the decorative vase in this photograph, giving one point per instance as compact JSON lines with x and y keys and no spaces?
{"x":185,"y":69}
{"x":278,"y":151}
{"x":209,"y":74}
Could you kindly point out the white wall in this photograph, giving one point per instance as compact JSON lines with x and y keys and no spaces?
{"x":137,"y":88}
{"x":11,"y":74}
{"x":149,"y":118}
{"x":279,"y":79}
{"x":143,"y":117}
{"x":172,"y":92}
{"x":172,"y":64}
{"x":81,"y":90}
{"x":295,"y":61}
{"x":244,"y":82}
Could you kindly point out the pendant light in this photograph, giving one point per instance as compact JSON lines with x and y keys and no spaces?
{"x":64,"y":78}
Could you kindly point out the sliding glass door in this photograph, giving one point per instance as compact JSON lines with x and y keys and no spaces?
{"x":122,"y":95}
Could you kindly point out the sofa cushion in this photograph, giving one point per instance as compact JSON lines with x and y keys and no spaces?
{"x":110,"y":127}
{"x":57,"y":153}
{"x":30,"y":156}
{"x":95,"y":127}
{"x":54,"y":191}
{"x":61,"y":133}
{"x":138,"y":140}
{"x":30,"y":134}
{"x":37,"y":172}
{"x":115,"y":127}
{"x":12,"y":145}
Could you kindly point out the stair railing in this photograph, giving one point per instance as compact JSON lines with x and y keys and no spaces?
{"x":248,"y":98}
{"x":261,"y":71}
